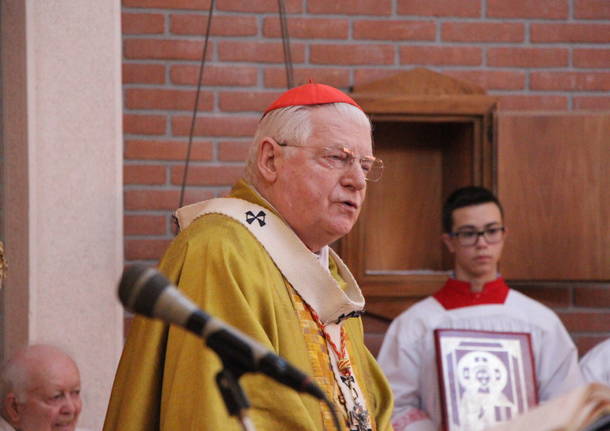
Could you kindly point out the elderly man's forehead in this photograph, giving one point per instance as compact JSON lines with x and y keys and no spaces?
{"x":343,"y":126}
{"x":53,"y":376}
{"x":45,"y":360}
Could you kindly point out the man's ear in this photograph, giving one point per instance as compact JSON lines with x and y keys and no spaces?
{"x":267,"y":161}
{"x":11,"y":409}
{"x":447,"y":240}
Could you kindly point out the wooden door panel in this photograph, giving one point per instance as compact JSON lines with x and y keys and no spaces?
{"x":554,"y":183}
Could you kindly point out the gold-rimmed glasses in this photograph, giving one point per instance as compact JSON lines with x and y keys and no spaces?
{"x":344,"y":158}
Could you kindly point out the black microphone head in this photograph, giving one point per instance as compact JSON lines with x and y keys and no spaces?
{"x":144,"y":290}
{"x":140,"y":288}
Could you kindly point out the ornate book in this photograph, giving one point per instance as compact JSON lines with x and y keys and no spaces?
{"x":485,"y":377}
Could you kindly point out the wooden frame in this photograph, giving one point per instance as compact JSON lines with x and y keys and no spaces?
{"x":485,"y":377}
{"x":449,"y":132}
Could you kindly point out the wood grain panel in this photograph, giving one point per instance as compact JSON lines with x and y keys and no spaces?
{"x":554,"y":182}
{"x":402,"y":212}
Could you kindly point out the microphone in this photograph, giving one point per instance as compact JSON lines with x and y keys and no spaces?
{"x":144,"y":290}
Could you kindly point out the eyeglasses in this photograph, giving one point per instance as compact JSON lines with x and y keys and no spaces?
{"x":343,"y":158}
{"x":470,"y":237}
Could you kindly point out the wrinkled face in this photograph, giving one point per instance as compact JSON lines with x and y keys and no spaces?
{"x":478,"y":261}
{"x":53,"y":400}
{"x":320,"y":203}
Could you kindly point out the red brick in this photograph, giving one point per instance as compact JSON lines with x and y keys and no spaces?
{"x":275,"y":77}
{"x":350,"y":7}
{"x":527,"y":57}
{"x":168,"y":4}
{"x":232,"y":76}
{"x":258,"y":6}
{"x":395,"y":30}
{"x":145,"y":224}
{"x":142,"y":23}
{"x":165,"y":49}
{"x":259,"y":52}
{"x":593,"y":297}
{"x":166,"y":150}
{"x":463,"y":8}
{"x":151,"y":98}
{"x":215,"y":126}
{"x":491,"y":79}
{"x":235,"y":101}
{"x":553,"y":297}
{"x":144,"y":174}
{"x":134,"y":73}
{"x":162,"y":200}
{"x":592,"y":103}
{"x":586,"y":321}
{"x":196,"y":194}
{"x":584,"y":343}
{"x":548,"y":9}
{"x":352,"y":54}
{"x":458,"y":8}
{"x":573,"y":33}
{"x":221,"y":25}
{"x":145,"y":249}
{"x":591,"y":58}
{"x":593,"y":9}
{"x":482,"y":32}
{"x":533,"y":103}
{"x":233,"y":151}
{"x":308,"y":28}
{"x":441,"y":55}
{"x":572,"y":81}
{"x":208,"y":175}
{"x":144,"y":124}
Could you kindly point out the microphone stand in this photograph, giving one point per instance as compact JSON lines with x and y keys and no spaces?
{"x":233,"y":395}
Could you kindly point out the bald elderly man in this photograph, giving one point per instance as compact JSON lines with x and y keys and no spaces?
{"x":40,"y":389}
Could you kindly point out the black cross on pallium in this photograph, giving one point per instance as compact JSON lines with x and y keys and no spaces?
{"x":260,"y":217}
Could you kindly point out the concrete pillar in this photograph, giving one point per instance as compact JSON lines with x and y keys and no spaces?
{"x":62,"y":137}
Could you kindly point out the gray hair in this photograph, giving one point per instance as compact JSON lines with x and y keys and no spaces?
{"x":293,"y":124}
{"x":14,"y":377}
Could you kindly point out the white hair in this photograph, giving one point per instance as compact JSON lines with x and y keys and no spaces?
{"x":14,"y":377}
{"x":293,"y":124}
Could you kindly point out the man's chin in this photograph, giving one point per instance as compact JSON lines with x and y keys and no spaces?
{"x":340,"y":232}
{"x":64,"y":426}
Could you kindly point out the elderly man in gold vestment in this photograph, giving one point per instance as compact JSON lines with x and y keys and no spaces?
{"x":260,"y":261}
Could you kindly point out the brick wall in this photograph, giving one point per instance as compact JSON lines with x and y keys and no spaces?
{"x":533,"y":54}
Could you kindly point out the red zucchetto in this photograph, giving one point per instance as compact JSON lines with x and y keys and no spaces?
{"x":311,"y":94}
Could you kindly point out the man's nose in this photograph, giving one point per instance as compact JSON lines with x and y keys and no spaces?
{"x":71,"y":404}
{"x":481,"y":241}
{"x":355,"y":175}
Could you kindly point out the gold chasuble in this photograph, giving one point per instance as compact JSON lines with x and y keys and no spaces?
{"x":166,"y":376}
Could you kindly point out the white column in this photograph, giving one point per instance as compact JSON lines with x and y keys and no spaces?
{"x":62,"y":137}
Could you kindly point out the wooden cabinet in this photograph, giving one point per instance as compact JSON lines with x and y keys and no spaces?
{"x":434,"y":134}
{"x":551,"y":172}
{"x":554,"y":182}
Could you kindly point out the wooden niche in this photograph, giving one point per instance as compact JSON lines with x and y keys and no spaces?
{"x":434,"y":134}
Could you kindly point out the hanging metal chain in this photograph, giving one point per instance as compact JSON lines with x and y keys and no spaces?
{"x":289,"y":81}
{"x":286,"y":45}
{"x":197,"y":94}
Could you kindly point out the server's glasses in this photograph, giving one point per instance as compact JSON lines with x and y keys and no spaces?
{"x":468,"y":237}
